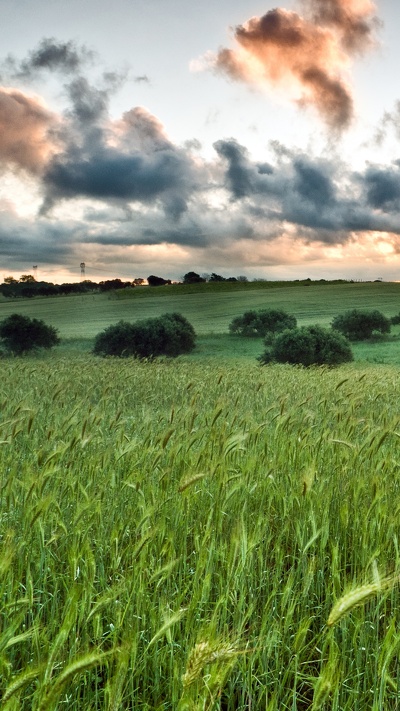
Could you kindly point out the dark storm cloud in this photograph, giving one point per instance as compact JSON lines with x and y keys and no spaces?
{"x":307,"y":193}
{"x":243,"y":178}
{"x":383,"y":187}
{"x":110,"y":174}
{"x":313,"y":184}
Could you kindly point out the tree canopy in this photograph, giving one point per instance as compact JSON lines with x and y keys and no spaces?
{"x":261,"y":324}
{"x":360,"y":324}
{"x":170,"y":334}
{"x":20,"y":334}
{"x":309,"y":345}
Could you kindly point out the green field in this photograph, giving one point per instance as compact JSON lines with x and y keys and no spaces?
{"x":176,"y":534}
{"x":210,"y":310}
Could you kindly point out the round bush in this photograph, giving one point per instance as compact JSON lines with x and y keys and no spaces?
{"x":309,"y":345}
{"x":20,"y":334}
{"x":359,"y":324}
{"x":261,"y":324}
{"x":170,"y":334}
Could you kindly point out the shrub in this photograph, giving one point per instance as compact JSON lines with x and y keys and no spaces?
{"x":20,"y":334}
{"x":395,"y":320}
{"x":309,"y":345}
{"x":170,"y":334}
{"x":262,"y":323}
{"x":358,"y":324}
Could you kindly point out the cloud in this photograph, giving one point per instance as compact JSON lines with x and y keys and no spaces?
{"x":130,"y":160}
{"x":383,"y":187}
{"x":51,"y":55}
{"x":27,"y":131}
{"x":142,"y":79}
{"x":140,"y":130}
{"x":84,"y":153}
{"x":119,"y":188}
{"x":110,"y":174}
{"x":321,"y":199}
{"x":307,"y":57}
{"x":354,"y":20}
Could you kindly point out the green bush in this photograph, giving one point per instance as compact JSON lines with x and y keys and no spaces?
{"x":261,"y":324}
{"x":395,"y":320}
{"x":170,"y":334}
{"x":360,"y":324}
{"x":20,"y":334}
{"x":309,"y":345}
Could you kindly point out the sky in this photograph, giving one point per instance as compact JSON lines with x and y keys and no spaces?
{"x":162,"y":136}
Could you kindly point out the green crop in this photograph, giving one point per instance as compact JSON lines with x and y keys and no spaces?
{"x":198,"y":535}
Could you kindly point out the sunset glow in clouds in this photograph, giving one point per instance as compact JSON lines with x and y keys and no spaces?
{"x":307,"y":56}
{"x":167,"y":142}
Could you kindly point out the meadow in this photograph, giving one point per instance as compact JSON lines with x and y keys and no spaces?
{"x":198,"y":533}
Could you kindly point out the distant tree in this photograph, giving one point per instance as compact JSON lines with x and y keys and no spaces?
{"x":309,"y":345}
{"x":153,"y":280}
{"x":261,"y":324}
{"x":242,"y":278}
{"x":20,"y":334}
{"x":113,"y":284}
{"x":48,"y":289}
{"x":138,"y":281}
{"x":170,"y":334}
{"x":27,"y":278}
{"x":359,"y":324}
{"x":192,"y":278}
{"x":395,"y":320}
{"x":28,"y":292}
{"x":231,"y":279}
{"x":10,"y":280}
{"x":217,"y":277}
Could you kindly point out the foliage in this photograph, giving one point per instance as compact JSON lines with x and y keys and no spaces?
{"x":359,"y":324}
{"x":154,"y":280}
{"x":265,"y":323}
{"x":20,"y":334}
{"x":395,"y":320}
{"x":193,"y":278}
{"x":309,"y":345}
{"x":170,"y":334}
{"x":112,"y":284}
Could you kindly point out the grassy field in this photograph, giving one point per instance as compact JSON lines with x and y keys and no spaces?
{"x":200,"y":534}
{"x":80,"y":318}
{"x":209,"y":312}
{"x":176,"y":534}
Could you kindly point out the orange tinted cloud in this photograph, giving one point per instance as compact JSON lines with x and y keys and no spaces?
{"x":354,"y":20}
{"x":306,"y":56}
{"x":25,"y":131}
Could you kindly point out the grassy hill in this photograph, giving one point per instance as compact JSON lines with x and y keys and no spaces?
{"x":211,"y":307}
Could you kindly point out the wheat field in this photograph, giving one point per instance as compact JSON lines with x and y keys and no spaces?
{"x":187,"y":535}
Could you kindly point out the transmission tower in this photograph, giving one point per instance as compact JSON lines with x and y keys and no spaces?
{"x":83,"y":270}
{"x":35,"y":272}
